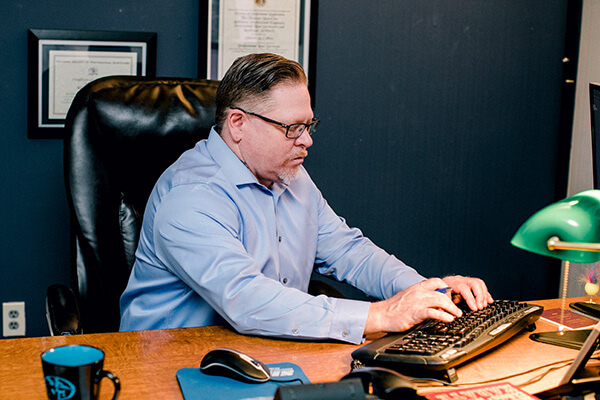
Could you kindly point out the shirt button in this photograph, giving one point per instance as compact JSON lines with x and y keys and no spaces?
{"x":345,"y":333}
{"x":284,"y":281}
{"x":295,"y":331}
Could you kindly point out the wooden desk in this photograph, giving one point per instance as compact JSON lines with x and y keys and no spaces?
{"x":147,"y":361}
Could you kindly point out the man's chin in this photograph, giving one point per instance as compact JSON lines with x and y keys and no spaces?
{"x":289,"y":174}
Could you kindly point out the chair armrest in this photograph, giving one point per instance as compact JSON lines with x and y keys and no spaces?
{"x":62,"y":311}
{"x":320,"y":284}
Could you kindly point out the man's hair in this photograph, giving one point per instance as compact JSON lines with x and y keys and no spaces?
{"x":250,"y":78}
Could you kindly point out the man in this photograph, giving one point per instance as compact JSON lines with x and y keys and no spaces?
{"x":233,"y":228}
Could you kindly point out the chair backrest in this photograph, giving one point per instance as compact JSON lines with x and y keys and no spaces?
{"x":122,"y":132}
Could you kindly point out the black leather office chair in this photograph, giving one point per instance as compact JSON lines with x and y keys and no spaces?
{"x":121,"y":134}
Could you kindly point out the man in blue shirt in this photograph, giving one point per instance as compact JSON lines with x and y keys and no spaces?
{"x":233,"y":229}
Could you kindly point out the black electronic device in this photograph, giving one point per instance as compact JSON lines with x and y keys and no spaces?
{"x":435,"y":347}
{"x":575,"y":382}
{"x":589,"y":309}
{"x":570,"y":339}
{"x":595,"y":120}
{"x":236,"y":365}
{"x":369,"y":383}
{"x":384,"y":383}
{"x":350,"y":389}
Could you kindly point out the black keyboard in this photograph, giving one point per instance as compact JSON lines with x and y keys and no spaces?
{"x":435,"y":346}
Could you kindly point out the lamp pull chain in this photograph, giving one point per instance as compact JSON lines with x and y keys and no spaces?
{"x":561,"y":327}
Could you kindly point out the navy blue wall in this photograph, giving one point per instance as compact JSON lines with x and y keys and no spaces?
{"x":439,"y":135}
{"x":33,"y":210}
{"x":441,"y":132}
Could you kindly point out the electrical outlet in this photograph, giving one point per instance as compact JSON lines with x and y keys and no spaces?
{"x":13,"y":318}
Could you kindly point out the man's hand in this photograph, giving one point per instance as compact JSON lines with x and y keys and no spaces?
{"x":473,"y":291}
{"x":421,"y":301}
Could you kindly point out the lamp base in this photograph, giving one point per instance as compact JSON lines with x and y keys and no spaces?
{"x":570,"y":339}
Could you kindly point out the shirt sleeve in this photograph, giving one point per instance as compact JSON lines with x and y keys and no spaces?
{"x":206,"y":252}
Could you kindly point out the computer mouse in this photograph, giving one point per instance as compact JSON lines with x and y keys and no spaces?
{"x":384,"y":383}
{"x":236,"y":365}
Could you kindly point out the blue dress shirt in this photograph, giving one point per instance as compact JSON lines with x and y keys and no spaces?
{"x":215,"y":244}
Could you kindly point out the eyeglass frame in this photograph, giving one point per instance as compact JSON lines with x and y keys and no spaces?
{"x":310,"y":128}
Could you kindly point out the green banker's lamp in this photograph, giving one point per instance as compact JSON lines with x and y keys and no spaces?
{"x":568,"y":230}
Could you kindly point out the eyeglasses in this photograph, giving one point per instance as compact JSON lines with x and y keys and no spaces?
{"x":292,"y":131}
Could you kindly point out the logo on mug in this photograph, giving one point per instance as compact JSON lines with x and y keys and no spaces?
{"x":60,"y":387}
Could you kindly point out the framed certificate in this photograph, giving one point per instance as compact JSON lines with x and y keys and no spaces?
{"x":229,"y":29}
{"x":61,"y":62}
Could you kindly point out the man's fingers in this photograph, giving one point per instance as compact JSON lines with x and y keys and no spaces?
{"x":473,"y":290}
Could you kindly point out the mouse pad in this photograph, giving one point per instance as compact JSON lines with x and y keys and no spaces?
{"x":196,"y":385}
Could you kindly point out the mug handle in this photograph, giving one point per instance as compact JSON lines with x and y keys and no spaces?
{"x":116,"y":382}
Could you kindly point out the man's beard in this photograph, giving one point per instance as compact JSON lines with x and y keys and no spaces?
{"x":287,"y":175}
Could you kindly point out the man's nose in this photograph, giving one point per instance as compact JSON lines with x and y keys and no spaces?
{"x":304,"y":140}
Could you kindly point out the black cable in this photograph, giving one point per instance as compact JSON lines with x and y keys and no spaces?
{"x":442,"y":382}
{"x":286,"y":380}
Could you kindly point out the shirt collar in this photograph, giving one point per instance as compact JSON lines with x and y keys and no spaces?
{"x":233,"y":168}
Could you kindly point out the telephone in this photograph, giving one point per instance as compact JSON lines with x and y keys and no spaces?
{"x":368,"y":383}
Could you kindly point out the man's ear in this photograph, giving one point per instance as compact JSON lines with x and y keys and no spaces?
{"x":235,"y":124}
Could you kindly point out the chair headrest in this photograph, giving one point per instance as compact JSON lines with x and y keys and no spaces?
{"x":133,"y":128}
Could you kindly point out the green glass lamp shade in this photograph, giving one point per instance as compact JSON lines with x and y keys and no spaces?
{"x":575,"y":219}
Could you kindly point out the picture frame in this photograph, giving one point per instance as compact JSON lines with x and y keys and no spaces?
{"x":232,"y":28}
{"x":60,"y":62}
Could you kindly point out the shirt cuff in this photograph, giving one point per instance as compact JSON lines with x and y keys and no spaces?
{"x":349,"y":320}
